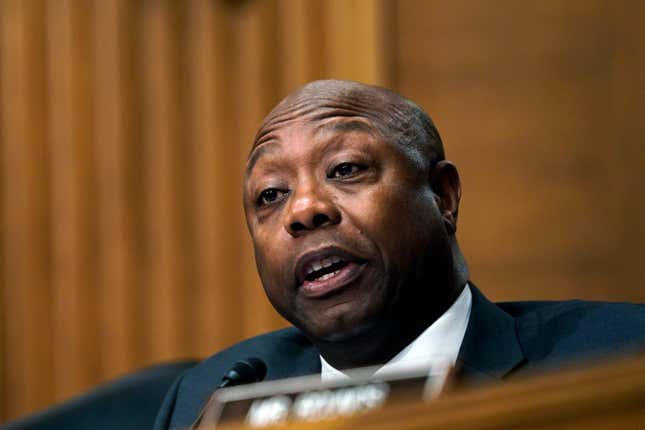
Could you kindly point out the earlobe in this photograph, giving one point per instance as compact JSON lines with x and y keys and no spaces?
{"x":446,"y":185}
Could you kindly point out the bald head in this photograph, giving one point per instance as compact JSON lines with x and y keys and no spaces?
{"x":396,"y":118}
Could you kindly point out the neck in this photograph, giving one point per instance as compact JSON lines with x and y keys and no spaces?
{"x":380,"y":342}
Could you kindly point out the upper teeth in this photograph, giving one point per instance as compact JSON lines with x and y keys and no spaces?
{"x":319,"y":264}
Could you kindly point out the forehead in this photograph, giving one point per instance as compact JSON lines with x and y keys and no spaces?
{"x":341,"y":107}
{"x":312,"y":130}
{"x":318,"y":110}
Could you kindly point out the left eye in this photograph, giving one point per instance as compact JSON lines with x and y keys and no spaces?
{"x":344,"y":170}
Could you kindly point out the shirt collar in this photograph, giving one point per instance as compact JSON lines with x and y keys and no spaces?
{"x":435,"y":348}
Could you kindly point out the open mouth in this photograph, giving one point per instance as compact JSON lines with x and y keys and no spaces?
{"x":327,"y":268}
{"x":323,"y":272}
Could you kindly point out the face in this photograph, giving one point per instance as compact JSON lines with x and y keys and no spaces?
{"x":345,"y":225}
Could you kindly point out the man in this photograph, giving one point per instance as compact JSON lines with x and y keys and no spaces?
{"x":353,"y":209}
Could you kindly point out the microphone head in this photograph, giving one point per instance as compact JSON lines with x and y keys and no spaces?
{"x":245,"y":371}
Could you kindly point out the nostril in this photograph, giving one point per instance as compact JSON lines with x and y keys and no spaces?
{"x":320,"y":219}
{"x":297,"y":226}
{"x":306,"y":222}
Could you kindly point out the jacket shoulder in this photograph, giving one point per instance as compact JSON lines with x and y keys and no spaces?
{"x":556,"y":331}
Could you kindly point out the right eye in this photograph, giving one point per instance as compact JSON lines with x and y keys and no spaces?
{"x":270,"y":195}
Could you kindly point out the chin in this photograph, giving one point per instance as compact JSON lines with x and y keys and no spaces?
{"x":343,"y":332}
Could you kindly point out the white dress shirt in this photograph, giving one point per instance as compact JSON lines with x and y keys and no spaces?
{"x":436,"y":348}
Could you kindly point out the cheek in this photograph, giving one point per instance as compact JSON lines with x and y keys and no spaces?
{"x":271,"y":273}
{"x":267,"y":256}
{"x":397,"y":219}
{"x":272,"y":256}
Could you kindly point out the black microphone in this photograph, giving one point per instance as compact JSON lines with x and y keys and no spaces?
{"x":244,"y":372}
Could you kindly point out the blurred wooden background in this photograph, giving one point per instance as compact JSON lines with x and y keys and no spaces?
{"x":124,"y":126}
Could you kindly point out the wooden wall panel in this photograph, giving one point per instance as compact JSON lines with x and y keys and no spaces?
{"x":366,"y":59}
{"x":124,"y":130}
{"x":301,"y":40}
{"x":118,"y":187}
{"x":163,"y":170}
{"x":3,"y":314}
{"x":624,"y":147}
{"x":25,"y":224}
{"x":536,"y":104}
{"x":214,"y":286}
{"x":75,"y":361}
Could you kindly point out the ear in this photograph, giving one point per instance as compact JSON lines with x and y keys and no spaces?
{"x":445,"y":183}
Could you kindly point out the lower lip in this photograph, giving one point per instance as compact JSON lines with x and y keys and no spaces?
{"x":318,"y":289}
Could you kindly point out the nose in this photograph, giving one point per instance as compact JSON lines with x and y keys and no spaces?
{"x":310,"y":208}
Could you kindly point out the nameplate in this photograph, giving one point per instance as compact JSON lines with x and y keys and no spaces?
{"x":307,"y":399}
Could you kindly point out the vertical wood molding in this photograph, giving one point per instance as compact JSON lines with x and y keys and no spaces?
{"x":294,"y":31}
{"x":301,"y":36}
{"x":626,"y":106}
{"x":203,"y":123}
{"x":371,"y":50}
{"x":114,"y":110}
{"x":215,"y":290}
{"x":26,"y":296}
{"x":340,"y":41}
{"x":73,"y":301}
{"x":356,"y":31}
{"x":4,"y":333}
{"x":161,"y":127}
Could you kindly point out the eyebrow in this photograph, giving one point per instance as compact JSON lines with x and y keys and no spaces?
{"x":257,"y":153}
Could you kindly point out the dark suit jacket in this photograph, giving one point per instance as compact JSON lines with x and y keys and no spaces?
{"x":501,"y":339}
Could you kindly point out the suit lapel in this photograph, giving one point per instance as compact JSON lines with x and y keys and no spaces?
{"x":297,"y":357}
{"x":490,"y":349}
{"x":308,"y":364}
